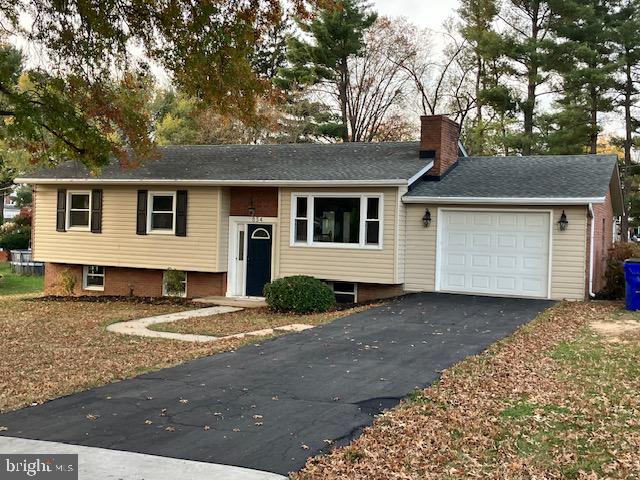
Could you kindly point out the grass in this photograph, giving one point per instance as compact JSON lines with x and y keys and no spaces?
{"x":248,"y":320}
{"x":12,"y":284}
{"x":558,"y":399}
{"x":54,"y":348}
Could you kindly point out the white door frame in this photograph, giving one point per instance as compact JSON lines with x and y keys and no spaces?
{"x":233,"y":273}
{"x":440,"y":226}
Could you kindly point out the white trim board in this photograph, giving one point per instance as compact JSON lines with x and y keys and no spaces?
{"x":504,"y":200}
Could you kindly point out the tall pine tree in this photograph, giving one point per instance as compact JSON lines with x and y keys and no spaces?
{"x":335,"y":33}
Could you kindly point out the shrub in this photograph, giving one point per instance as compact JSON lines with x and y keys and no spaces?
{"x":299,"y":294}
{"x":14,"y":237}
{"x":614,"y":273}
{"x":174,"y":283}
{"x":67,"y":281}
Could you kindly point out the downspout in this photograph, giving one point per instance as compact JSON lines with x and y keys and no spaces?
{"x":593,"y":230}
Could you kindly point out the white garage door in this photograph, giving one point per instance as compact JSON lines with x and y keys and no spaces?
{"x":494,"y":252}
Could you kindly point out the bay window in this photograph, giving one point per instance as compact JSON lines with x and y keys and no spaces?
{"x":349,"y":220}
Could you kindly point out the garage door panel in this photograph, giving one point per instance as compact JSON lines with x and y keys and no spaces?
{"x":496,"y":253}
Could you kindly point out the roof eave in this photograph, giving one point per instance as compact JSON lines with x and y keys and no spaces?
{"x":504,"y":200}
{"x":398,"y":182}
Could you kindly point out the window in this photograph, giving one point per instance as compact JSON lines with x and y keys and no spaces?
{"x":79,"y":210}
{"x":161,"y":212}
{"x":345,"y":292}
{"x":93,"y":277}
{"x":349,"y":221}
{"x":174,"y":283}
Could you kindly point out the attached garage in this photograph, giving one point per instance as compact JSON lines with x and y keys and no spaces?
{"x":494,"y":252}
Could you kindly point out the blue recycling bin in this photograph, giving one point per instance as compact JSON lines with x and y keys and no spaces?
{"x":632,"y":279}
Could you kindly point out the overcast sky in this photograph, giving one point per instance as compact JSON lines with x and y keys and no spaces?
{"x":425,"y":13}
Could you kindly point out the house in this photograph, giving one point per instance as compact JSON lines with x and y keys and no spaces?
{"x":374,"y":220}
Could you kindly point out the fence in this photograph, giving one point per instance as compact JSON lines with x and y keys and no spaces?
{"x":22,"y":264}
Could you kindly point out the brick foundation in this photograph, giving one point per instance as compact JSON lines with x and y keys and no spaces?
{"x":373,"y":291}
{"x":140,"y":282}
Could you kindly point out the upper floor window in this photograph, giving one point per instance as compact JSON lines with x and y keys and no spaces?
{"x":161,"y":212}
{"x":79,"y":210}
{"x":350,"y":220}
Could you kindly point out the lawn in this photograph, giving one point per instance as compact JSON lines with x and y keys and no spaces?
{"x":54,"y":348}
{"x":247,"y":321}
{"x":559,"y":399}
{"x":12,"y":284}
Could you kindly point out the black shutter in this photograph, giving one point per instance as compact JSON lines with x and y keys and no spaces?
{"x":141,"y":218}
{"x":96,"y":211}
{"x":61,"y":210}
{"x":181,"y":213}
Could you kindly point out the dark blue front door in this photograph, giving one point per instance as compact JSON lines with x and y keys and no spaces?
{"x":258,"y":258}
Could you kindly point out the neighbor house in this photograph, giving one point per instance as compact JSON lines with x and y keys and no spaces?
{"x":374,"y":220}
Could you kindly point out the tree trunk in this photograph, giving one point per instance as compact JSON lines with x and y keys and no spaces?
{"x":593,"y":136}
{"x":628,"y":145}
{"x":342,"y":97}
{"x":528,"y":109}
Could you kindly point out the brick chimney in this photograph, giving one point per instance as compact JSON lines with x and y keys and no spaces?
{"x":439,"y":137}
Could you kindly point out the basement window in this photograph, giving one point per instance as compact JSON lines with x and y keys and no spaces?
{"x":174,"y":283}
{"x":93,"y":277}
{"x":345,"y":292}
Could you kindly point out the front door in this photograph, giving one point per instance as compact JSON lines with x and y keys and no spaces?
{"x":258,"y":258}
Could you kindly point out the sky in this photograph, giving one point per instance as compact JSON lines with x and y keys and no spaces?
{"x":425,"y":13}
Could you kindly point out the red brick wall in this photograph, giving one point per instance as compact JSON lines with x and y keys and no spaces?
{"x":139,"y":282}
{"x":264,"y":199}
{"x":372,"y":291}
{"x":441,"y":134}
{"x":602,"y":241}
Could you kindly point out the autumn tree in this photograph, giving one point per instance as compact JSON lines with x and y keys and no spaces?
{"x":86,"y":102}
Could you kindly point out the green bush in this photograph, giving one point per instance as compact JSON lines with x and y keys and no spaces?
{"x":299,"y":294}
{"x":614,"y":273}
{"x":175,"y":283}
{"x":16,"y":238}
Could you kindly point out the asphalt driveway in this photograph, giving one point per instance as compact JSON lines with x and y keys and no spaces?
{"x":270,"y":406}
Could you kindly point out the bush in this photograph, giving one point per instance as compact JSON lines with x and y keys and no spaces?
{"x":299,"y":294}
{"x":14,"y":237}
{"x":67,"y":281}
{"x":174,"y":283}
{"x":614,"y":273}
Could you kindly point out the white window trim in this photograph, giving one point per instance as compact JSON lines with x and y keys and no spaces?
{"x":338,"y":292}
{"x":85,"y":277}
{"x":68,"y":212}
{"x":157,"y":231}
{"x":362,"y":245}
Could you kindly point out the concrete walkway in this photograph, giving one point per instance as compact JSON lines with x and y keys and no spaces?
{"x":140,"y":327}
{"x":100,"y":463}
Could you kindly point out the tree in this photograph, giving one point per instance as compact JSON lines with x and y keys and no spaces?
{"x":76,"y":109}
{"x":336,"y":34}
{"x":526,"y":41}
{"x":377,"y":82}
{"x":584,"y":58}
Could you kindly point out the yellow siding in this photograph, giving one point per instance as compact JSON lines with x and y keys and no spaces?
{"x":118,"y":244}
{"x":346,"y":264}
{"x":568,"y":251}
{"x":223,"y":231}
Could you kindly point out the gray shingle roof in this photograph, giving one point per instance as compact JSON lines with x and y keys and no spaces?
{"x":298,"y":162}
{"x":549,"y":176}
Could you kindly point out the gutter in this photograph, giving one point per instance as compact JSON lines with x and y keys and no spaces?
{"x":506,"y":200}
{"x":279,"y":183}
{"x":593,"y":229}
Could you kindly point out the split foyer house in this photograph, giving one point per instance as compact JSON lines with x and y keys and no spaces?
{"x":374,"y":220}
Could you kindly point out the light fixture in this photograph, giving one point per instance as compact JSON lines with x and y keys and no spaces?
{"x":252,"y":207}
{"x":426,"y":220}
{"x":563,"y":223}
